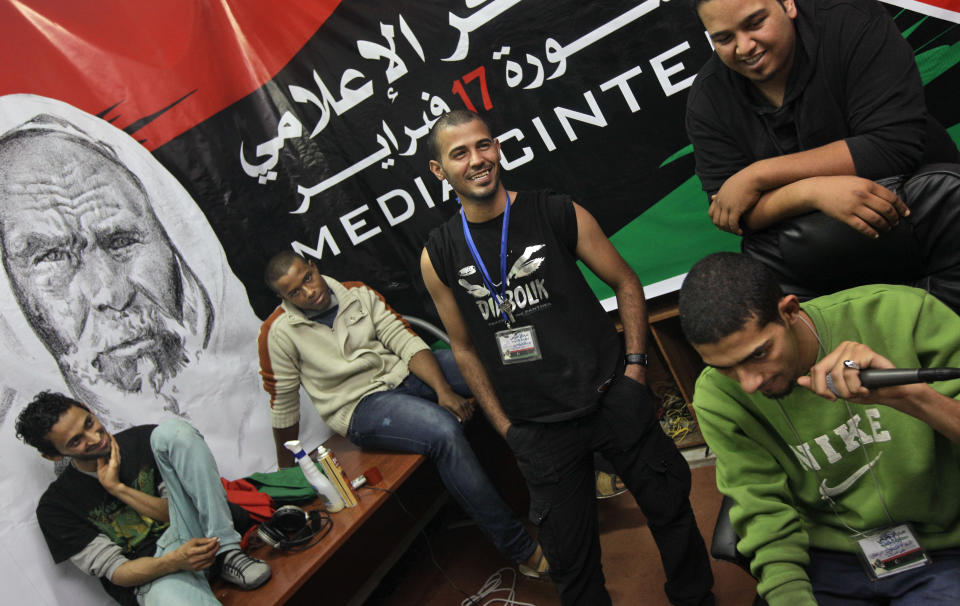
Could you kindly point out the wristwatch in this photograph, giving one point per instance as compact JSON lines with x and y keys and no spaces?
{"x":637,"y":358}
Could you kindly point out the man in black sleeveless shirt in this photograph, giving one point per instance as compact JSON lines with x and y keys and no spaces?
{"x":545,"y":363}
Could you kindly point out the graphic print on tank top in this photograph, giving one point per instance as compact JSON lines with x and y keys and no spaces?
{"x":524,"y":289}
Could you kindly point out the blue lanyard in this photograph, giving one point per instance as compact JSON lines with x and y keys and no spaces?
{"x":499,"y":296}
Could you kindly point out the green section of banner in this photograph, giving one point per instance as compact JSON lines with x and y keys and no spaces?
{"x":666,"y":240}
{"x":936,"y":61}
{"x":686,"y":151}
{"x":954,"y":132}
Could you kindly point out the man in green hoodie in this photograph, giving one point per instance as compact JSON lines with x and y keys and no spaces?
{"x":826,"y":475}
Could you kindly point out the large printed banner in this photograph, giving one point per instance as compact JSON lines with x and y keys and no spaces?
{"x":183,"y":143}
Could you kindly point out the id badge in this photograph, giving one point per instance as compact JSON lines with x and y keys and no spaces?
{"x":888,"y":551}
{"x":518,"y":345}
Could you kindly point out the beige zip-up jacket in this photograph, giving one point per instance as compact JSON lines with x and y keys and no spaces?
{"x":366,"y":351}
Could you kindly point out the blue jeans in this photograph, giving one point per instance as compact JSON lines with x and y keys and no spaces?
{"x":198,"y":508}
{"x":407,"y":419}
{"x":839,"y":580}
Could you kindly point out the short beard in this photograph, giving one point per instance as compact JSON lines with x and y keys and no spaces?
{"x":93,"y":456}
{"x":156,"y":365}
{"x":783,"y":393}
{"x":488,"y":197}
{"x":485,"y":197}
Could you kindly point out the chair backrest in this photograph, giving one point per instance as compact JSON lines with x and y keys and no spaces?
{"x":428,"y":327}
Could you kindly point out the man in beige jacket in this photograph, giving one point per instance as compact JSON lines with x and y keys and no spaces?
{"x":373,"y":380}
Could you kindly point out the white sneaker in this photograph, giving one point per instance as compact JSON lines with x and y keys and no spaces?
{"x":243,"y":570}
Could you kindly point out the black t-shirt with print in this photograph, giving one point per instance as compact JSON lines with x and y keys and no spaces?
{"x":75,"y":508}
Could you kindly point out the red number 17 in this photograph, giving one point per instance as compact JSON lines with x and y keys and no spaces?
{"x":458,"y":89}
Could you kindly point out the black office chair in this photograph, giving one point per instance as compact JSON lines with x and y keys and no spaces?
{"x":724,"y":543}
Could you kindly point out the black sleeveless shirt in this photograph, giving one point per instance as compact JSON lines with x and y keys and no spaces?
{"x":578,"y":340}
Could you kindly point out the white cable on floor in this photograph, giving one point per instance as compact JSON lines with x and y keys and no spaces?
{"x":492,"y":586}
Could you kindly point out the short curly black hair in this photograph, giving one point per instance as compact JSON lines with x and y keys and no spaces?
{"x":38,"y":418}
{"x":723,"y":292}
{"x":277,"y":267}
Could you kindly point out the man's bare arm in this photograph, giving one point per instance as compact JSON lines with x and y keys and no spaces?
{"x":463,"y":349}
{"x":108,"y":470}
{"x":195,"y":554}
{"x":822,"y":179}
{"x":281,"y":435}
{"x":865,"y":206}
{"x":424,"y":365}
{"x":919,"y":400}
{"x":599,"y":254}
{"x":743,"y":191}
{"x":933,"y":408}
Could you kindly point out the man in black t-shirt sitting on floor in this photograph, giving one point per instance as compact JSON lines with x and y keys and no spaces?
{"x":144,"y":509}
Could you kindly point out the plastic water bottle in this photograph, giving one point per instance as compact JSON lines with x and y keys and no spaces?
{"x":328,"y":494}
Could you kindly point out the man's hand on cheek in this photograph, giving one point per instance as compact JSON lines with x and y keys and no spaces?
{"x":108,"y":468}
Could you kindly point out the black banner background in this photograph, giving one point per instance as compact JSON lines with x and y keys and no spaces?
{"x":612,"y":170}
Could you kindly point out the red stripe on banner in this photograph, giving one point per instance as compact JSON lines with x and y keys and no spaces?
{"x":950,"y":5}
{"x":143,"y":56}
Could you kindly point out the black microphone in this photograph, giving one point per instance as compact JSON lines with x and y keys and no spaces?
{"x":874,"y":378}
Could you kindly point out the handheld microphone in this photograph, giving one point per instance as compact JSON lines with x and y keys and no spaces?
{"x":874,"y":378}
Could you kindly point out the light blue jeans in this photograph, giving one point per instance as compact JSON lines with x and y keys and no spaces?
{"x":407,"y":419}
{"x":839,"y":580}
{"x":198,"y":508}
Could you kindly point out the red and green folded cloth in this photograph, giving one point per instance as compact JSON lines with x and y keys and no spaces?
{"x":258,"y":493}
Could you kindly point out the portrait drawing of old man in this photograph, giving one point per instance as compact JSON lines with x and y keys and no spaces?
{"x":92,"y":268}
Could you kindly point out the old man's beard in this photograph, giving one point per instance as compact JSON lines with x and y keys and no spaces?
{"x":135,"y":350}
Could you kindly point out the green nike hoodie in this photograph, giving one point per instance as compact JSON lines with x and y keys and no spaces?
{"x":780,"y":460}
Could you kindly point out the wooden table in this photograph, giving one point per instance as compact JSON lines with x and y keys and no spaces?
{"x":367,"y":539}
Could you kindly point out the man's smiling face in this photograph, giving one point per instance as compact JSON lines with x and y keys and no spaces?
{"x":78,"y":434}
{"x":469,"y":160}
{"x":755,"y":38}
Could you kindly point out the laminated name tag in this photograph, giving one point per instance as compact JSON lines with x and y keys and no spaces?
{"x":891,"y":550}
{"x":518,"y":345}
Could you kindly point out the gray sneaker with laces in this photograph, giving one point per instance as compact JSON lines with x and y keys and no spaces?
{"x":243,"y":570}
